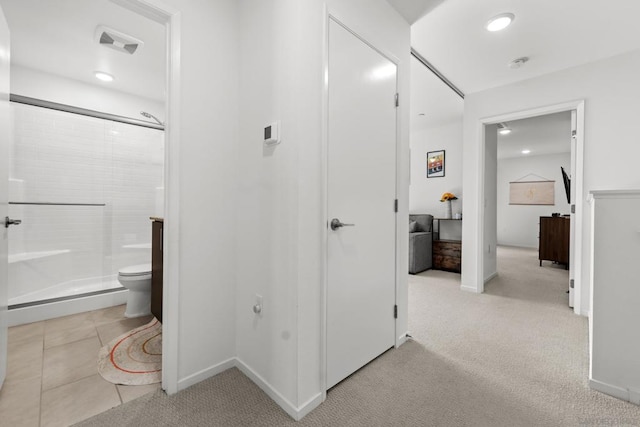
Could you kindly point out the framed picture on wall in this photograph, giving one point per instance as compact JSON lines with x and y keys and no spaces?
{"x":435,"y":164}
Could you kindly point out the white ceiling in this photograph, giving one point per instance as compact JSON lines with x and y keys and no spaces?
{"x":431,"y":97}
{"x":549,"y":134}
{"x":412,"y":10}
{"x":554,"y":34}
{"x":57,"y":37}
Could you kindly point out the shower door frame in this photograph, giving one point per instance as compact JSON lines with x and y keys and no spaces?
{"x":40,"y":308}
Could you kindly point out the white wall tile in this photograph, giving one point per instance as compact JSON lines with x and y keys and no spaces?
{"x":59,"y":157}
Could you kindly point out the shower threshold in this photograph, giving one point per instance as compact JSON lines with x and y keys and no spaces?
{"x":36,"y":311}
{"x":64,"y":298}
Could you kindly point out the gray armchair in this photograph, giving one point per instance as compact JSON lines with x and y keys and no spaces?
{"x":420,"y":242}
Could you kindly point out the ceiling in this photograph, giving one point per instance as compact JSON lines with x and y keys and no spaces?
{"x":433,"y":103}
{"x":412,"y":10}
{"x":554,"y":34}
{"x":549,"y":134}
{"x":57,"y":37}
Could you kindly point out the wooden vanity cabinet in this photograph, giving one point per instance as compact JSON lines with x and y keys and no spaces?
{"x":156,"y":267}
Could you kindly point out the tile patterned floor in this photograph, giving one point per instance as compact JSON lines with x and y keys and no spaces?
{"x":52,"y":376}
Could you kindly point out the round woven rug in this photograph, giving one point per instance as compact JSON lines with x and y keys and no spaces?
{"x":134,"y":358}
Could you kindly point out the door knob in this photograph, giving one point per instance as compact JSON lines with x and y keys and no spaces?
{"x":335,"y":224}
{"x":8,"y":221}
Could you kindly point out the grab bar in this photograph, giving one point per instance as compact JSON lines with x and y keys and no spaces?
{"x":56,"y":204}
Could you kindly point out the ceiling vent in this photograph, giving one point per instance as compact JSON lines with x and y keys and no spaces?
{"x":121,"y":42}
{"x":518,"y":62}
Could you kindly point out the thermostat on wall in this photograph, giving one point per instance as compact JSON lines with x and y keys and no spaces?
{"x":272,"y":134}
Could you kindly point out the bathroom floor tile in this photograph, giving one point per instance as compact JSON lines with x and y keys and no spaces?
{"x":67,"y":336}
{"x":20,"y":403}
{"x":72,"y":403}
{"x":110,"y":331}
{"x":68,"y":322}
{"x":130,"y":392}
{"x":108,"y":315}
{"x":64,"y":364}
{"x":25,"y":332}
{"x":24,"y":360}
{"x":52,"y":377}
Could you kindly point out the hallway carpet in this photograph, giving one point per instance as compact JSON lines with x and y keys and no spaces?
{"x":514,"y":356}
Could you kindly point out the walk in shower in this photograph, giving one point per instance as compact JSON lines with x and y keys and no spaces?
{"x":84,"y":185}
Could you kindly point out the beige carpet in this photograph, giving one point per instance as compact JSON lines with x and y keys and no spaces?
{"x":514,"y":356}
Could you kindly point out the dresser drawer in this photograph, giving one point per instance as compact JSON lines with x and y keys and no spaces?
{"x":447,"y":255}
{"x":452,"y":249}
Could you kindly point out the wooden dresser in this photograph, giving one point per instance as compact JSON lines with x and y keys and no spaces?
{"x":447,"y":251}
{"x":447,"y":255}
{"x":157,"y":227}
{"x":554,"y":239}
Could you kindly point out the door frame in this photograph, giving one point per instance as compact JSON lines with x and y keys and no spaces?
{"x":353,"y":28}
{"x":5,"y":140}
{"x":170,"y":17}
{"x":579,"y":287}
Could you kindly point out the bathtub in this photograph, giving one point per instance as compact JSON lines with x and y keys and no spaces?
{"x":44,"y":310}
{"x":42,"y":288}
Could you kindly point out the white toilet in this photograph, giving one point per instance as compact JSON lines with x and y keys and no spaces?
{"x":137,"y":278}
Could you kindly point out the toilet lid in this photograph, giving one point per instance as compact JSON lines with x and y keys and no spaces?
{"x":135,"y":270}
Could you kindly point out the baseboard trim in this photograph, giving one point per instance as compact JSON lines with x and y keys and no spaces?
{"x":491,"y":277}
{"x":287,"y":406}
{"x":634,"y":396}
{"x":469,"y":289}
{"x":310,"y":405}
{"x":206,"y":373}
{"x":609,"y":389}
{"x":402,"y":339}
{"x":295,"y":413}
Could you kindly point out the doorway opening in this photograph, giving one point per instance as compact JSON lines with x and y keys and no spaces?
{"x":489,"y":192}
{"x":532,"y":207}
{"x":169,"y":69}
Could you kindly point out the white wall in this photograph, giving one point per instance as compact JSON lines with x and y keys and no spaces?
{"x":425,"y":193}
{"x":440,"y":128}
{"x":280,"y":222}
{"x":614,"y":345}
{"x":208,"y":164}
{"x":490,"y":196}
{"x":267,"y":211}
{"x":518,"y":225}
{"x":611,"y":95}
{"x":50,"y":87}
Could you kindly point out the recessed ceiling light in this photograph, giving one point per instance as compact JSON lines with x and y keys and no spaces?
{"x":503,"y":129}
{"x":526,"y":151}
{"x":500,"y":22}
{"x":105,"y":77}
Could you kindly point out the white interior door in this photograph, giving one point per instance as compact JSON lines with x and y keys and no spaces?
{"x":4,"y":189}
{"x":361,"y":194}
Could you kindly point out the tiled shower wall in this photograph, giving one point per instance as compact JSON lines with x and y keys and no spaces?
{"x":115,"y":170}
